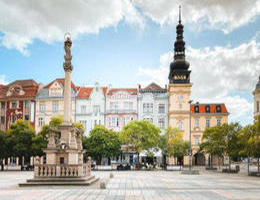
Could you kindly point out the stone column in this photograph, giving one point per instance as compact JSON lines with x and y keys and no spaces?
{"x":17,"y":161}
{"x":67,"y":91}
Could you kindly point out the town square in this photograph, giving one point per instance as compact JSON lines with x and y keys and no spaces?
{"x":129,"y":99}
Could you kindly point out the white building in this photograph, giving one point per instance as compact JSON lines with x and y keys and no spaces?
{"x":90,"y":106}
{"x":153,"y":105}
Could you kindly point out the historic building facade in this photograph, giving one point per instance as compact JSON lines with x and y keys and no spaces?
{"x":17,"y":101}
{"x":49,"y":102}
{"x":90,"y":106}
{"x":182,"y":113}
{"x":153,"y":105}
{"x":256,"y":94}
{"x":121,"y":107}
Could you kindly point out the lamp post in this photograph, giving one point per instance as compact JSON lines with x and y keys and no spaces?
{"x":190,"y":150}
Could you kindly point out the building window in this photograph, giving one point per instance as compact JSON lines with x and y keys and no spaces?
{"x":180,"y":97}
{"x":2,"y":120}
{"x":197,"y":123}
{"x":128,"y":105}
{"x":257,"y":106}
{"x":161,"y":108}
{"x":26,"y":117}
{"x":147,"y":107}
{"x":197,"y":109}
{"x":41,"y":121}
{"x":218,"y":108}
{"x":55,"y":106}
{"x":207,"y":109}
{"x":197,"y":140}
{"x":42,"y":107}
{"x":180,"y":106}
{"x":13,"y":104}
{"x":2,"y":105}
{"x":96,"y":110}
{"x":83,"y":109}
{"x":180,"y":125}
{"x":219,"y":121}
{"x":114,"y":121}
{"x":161,"y":123}
{"x":207,"y":123}
{"x":27,"y":104}
{"x":114,"y":106}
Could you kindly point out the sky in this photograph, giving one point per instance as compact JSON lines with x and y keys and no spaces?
{"x":130,"y":42}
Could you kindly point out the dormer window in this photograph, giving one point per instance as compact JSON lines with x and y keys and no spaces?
{"x":207,"y":109}
{"x":218,"y":108}
{"x":197,"y":109}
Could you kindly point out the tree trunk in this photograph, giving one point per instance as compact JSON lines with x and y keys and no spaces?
{"x":248,"y":162}
{"x":99,"y":160}
{"x":229,"y":163}
{"x":109,"y":161}
{"x":258,"y":167}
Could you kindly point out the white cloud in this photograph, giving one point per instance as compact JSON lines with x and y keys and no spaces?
{"x":22,"y":21}
{"x":216,"y":73}
{"x":217,"y":14}
{"x":2,"y":80}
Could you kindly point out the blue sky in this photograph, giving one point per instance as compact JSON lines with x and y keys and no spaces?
{"x":135,"y":45}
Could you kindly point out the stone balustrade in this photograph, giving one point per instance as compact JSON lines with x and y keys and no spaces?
{"x":48,"y":170}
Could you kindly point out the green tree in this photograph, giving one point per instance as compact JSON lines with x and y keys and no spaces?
{"x":232,"y":147}
{"x":213,"y":142}
{"x":141,"y":135}
{"x":20,"y":139}
{"x":102,"y":143}
{"x":175,"y":146}
{"x":3,"y":148}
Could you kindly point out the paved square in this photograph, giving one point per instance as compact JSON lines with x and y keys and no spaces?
{"x":139,"y":185}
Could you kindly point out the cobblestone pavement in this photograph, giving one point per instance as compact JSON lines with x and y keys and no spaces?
{"x":150,"y":185}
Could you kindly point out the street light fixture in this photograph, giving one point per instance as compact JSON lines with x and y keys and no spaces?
{"x":190,"y":171}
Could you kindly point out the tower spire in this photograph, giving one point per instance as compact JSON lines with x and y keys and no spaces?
{"x":179,"y":14}
{"x":179,"y":72}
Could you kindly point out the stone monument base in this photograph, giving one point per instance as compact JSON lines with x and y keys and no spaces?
{"x":60,"y":181}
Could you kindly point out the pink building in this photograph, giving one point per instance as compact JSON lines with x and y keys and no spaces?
{"x":121,"y":107}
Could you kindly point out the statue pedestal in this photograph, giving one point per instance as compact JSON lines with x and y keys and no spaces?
{"x":64,"y":160}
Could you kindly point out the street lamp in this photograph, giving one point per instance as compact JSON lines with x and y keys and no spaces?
{"x":190,"y":171}
{"x":190,"y":150}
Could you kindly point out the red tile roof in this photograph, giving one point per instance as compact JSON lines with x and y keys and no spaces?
{"x":61,"y":81}
{"x":84,"y":92}
{"x":132,"y":91}
{"x":19,"y":89}
{"x":213,"y":108}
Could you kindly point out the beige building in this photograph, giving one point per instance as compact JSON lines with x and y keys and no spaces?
{"x":256,"y":94}
{"x":184,"y":115}
{"x":50,"y":103}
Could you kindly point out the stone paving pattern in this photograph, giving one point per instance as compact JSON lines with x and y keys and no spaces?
{"x":148,"y":185}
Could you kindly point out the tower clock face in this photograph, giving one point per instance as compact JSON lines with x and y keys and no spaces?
{"x":179,"y":77}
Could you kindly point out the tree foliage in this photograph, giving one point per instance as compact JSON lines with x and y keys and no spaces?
{"x":102,"y":143}
{"x":141,"y":135}
{"x":172,"y":143}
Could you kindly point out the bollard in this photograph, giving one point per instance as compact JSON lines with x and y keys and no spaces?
{"x":102,"y":185}
{"x":111,"y":175}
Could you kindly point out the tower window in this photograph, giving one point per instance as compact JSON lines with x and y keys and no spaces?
{"x":180,"y":125}
{"x":197,"y":109}
{"x":207,"y":109}
{"x":218,"y":108}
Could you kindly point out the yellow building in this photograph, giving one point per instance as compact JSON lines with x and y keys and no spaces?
{"x":184,"y":115}
{"x":256,"y":94}
{"x":50,"y":103}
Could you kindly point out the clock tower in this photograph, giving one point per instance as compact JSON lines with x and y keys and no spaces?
{"x":179,"y":87}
